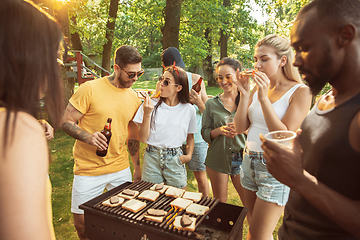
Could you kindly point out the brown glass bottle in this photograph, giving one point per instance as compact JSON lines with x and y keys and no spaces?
{"x":107,"y":133}
{"x":197,"y":85}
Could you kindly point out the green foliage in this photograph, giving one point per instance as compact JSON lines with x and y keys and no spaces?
{"x":283,"y":13}
{"x":139,"y":23}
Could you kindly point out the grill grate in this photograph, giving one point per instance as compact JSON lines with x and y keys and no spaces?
{"x":162,"y":202}
{"x":221,"y":221}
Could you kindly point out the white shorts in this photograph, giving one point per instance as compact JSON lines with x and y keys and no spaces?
{"x":86,"y":188}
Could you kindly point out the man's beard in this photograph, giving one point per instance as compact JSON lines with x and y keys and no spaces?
{"x":125,"y":83}
{"x":317,"y":85}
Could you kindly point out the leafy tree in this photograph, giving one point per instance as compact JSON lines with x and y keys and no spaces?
{"x":283,"y":13}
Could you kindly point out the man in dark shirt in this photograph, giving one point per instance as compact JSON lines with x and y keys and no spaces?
{"x":323,"y":167}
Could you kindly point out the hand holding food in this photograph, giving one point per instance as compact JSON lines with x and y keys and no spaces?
{"x":262,"y":82}
{"x":148,"y":105}
{"x":243,"y":81}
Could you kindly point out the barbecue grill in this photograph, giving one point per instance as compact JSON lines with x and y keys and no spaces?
{"x":221,"y":221}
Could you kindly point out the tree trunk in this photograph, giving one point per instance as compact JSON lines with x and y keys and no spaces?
{"x":224,"y":36}
{"x":69,"y":84}
{"x":208,"y":66}
{"x":109,"y":36}
{"x":46,"y":5}
{"x":171,"y":28}
{"x":62,"y":16}
{"x":75,"y":37}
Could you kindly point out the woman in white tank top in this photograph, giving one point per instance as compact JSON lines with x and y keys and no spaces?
{"x":279,"y":101}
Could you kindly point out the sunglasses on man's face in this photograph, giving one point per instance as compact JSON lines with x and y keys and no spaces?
{"x":220,"y":79}
{"x":132,"y":74}
{"x":166,"y":82}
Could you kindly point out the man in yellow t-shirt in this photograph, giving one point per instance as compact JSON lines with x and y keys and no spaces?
{"x":85,"y":116}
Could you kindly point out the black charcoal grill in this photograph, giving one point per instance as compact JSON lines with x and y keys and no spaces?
{"x":222,"y":221}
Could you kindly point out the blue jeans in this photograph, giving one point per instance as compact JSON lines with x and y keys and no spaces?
{"x":255,"y":177}
{"x":197,"y":162}
{"x":164,"y":165}
{"x":236,"y":163}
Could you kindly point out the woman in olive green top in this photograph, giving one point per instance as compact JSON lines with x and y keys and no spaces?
{"x":224,"y":156}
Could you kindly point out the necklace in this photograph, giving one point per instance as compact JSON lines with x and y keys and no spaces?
{"x":222,"y":100}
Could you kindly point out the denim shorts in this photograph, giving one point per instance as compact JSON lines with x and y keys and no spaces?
{"x":164,"y":165}
{"x":197,"y":162}
{"x":255,"y":177}
{"x":236,"y":162}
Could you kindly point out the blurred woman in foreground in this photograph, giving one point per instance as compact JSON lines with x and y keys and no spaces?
{"x":29,"y":46}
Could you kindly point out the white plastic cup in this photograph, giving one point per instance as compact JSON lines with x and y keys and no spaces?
{"x":283,"y":137}
{"x":229,"y":120}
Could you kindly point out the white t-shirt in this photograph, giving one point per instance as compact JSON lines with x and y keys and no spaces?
{"x":172,"y":124}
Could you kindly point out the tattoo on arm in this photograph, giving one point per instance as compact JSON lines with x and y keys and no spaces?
{"x":133,"y":146}
{"x":112,"y":77}
{"x":72,"y":109}
{"x":75,"y":131}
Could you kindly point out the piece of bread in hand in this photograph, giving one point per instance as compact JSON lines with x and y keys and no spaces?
{"x":113,"y":201}
{"x":194,"y":196}
{"x":128,"y":194}
{"x":161,"y":188}
{"x":149,"y":195}
{"x":174,"y":192}
{"x":247,"y":72}
{"x":196,"y":209}
{"x":181,"y":203}
{"x":133,"y":205}
{"x":191,"y":227}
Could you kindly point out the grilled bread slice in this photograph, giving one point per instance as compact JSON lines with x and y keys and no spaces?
{"x":174,"y":192}
{"x":181,"y":203}
{"x":191,"y":227}
{"x":155,"y":215}
{"x":196,"y":209}
{"x":128,"y":194}
{"x":113,"y":201}
{"x":133,"y":205}
{"x":194,"y":196}
{"x":161,"y":188}
{"x":149,"y":195}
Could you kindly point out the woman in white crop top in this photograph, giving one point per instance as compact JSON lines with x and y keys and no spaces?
{"x":279,"y":101}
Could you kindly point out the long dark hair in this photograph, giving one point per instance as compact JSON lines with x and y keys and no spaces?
{"x":181,"y":78}
{"x":29,"y":47}
{"x":235,"y":64}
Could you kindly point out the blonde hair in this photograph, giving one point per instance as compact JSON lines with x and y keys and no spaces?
{"x":282,"y":47}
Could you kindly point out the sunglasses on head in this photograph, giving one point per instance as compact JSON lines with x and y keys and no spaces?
{"x":132,"y":74}
{"x":166,"y":82}
{"x":172,"y":67}
{"x":220,"y":79}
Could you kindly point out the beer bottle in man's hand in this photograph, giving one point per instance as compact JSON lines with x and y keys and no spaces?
{"x":197,"y":85}
{"x":107,"y":133}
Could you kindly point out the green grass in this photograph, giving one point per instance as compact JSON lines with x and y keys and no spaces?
{"x":61,"y":176}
